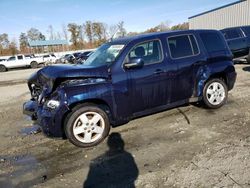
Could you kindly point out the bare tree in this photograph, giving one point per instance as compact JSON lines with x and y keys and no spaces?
{"x":182,"y":26}
{"x":35,"y":34}
{"x":88,"y":31}
{"x":99,"y":33}
{"x":74,"y":29}
{"x":112,"y":31}
{"x":13,"y":47}
{"x":4,"y":40}
{"x":164,"y":26}
{"x":121,"y":30}
{"x":51,"y":32}
{"x":58,"y":35}
{"x":81,"y":33}
{"x":23,"y":41}
{"x":105,"y":31}
{"x":4,"y":43}
{"x":97,"y":30}
{"x":65,"y":32}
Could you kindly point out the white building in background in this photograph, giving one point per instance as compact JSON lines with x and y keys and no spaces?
{"x":231,"y":15}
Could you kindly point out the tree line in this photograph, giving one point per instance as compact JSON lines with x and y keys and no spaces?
{"x":90,"y":34}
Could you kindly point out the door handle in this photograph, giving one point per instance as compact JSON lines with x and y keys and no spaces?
{"x":158,"y":71}
{"x":200,"y":62}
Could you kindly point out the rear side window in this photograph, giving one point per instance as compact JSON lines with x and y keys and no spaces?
{"x":182,"y":46}
{"x":20,"y":57}
{"x":213,"y":41}
{"x":232,"y":34}
{"x":150,"y":52}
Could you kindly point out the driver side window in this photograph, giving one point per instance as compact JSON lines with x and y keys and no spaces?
{"x":13,"y":58}
{"x":150,"y":52}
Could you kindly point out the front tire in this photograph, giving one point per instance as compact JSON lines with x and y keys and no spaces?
{"x":215,"y":93}
{"x":248,"y":58}
{"x":87,"y":125}
{"x":3,"y":68}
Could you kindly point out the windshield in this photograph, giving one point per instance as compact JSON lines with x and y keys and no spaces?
{"x":104,"y":55}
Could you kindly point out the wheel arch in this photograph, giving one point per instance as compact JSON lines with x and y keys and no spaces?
{"x":220,"y":75}
{"x":34,"y":62}
{"x":98,"y":102}
{"x":206,"y":75}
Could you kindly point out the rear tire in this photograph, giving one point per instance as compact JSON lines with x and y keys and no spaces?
{"x":215,"y":93}
{"x":87,"y":125}
{"x":34,"y":65}
{"x":3,"y":68}
{"x":248,"y":58}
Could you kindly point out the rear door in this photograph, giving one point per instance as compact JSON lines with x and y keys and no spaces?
{"x":237,"y":41}
{"x":21,"y":61}
{"x":185,"y":54}
{"x":46,"y":58}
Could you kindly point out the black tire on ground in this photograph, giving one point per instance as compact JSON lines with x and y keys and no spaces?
{"x":248,"y":58}
{"x":206,"y":94}
{"x":3,"y":68}
{"x":34,"y":64}
{"x":71,"y":121}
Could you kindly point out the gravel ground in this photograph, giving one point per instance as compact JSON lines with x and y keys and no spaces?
{"x":189,"y":146}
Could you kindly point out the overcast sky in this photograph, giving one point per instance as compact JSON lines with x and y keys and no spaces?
{"x":18,"y":16}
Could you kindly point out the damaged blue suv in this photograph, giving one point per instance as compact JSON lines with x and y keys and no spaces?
{"x":129,"y":78}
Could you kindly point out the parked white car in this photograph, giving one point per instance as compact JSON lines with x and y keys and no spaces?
{"x":20,"y":61}
{"x":49,"y":59}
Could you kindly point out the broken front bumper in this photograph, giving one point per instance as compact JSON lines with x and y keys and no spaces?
{"x":30,"y":109}
{"x":50,"y":121}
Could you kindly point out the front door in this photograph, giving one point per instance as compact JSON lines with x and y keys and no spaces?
{"x":148,"y":86}
{"x":12,"y":62}
{"x":20,"y":61}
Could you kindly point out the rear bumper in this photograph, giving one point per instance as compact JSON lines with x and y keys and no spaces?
{"x":231,"y":79}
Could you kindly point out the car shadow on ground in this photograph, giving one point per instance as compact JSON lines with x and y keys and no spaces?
{"x":246,"y":69}
{"x":115,"y":168}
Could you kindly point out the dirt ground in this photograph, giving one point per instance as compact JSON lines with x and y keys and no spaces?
{"x":189,"y":146}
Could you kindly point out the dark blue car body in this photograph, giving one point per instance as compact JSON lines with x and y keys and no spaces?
{"x":128,"y":93}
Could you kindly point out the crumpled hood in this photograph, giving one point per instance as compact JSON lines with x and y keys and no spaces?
{"x":68,"y":71}
{"x":73,"y":71}
{"x":47,"y":76}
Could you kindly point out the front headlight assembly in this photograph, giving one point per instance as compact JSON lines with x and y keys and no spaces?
{"x":53,"y":104}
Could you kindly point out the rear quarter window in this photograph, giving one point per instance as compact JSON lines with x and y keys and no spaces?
{"x":182,"y":46}
{"x":213,"y":41}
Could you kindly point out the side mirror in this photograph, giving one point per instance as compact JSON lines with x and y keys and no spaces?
{"x":134,"y":63}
